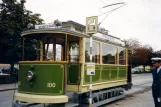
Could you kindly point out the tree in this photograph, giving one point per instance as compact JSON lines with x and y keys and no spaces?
{"x":141,"y":54}
{"x":133,"y":43}
{"x":157,"y":54}
{"x":14,"y":18}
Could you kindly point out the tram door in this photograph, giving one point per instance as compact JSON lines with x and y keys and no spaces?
{"x":73,"y":77}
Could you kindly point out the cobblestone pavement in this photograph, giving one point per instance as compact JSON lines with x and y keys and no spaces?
{"x":140,"y":100}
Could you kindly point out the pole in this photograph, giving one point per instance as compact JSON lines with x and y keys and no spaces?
{"x":90,"y":87}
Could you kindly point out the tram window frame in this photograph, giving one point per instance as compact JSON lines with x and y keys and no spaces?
{"x":115,"y":53}
{"x":124,"y":59}
{"x":95,"y":58}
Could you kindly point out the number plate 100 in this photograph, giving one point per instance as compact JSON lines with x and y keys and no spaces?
{"x":51,"y":85}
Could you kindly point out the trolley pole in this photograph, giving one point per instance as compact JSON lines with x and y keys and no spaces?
{"x":90,"y":98}
{"x":91,"y":28}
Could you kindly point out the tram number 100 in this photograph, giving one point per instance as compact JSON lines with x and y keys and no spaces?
{"x":51,"y":85}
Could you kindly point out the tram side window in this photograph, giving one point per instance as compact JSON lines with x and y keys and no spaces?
{"x":95,"y":52}
{"x":74,"y":52}
{"x":122,"y":56}
{"x":109,"y":54}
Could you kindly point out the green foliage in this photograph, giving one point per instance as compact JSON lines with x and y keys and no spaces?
{"x":14,"y":18}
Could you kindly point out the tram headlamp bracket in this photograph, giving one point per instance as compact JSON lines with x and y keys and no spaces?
{"x":29,"y":75}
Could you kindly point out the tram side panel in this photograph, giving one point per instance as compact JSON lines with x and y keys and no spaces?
{"x":106,"y":76}
{"x":108,"y":73}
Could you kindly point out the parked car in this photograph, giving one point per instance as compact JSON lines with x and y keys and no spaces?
{"x":4,"y":78}
{"x":3,"y":74}
{"x":6,"y":75}
{"x":7,"y":70}
{"x":136,"y":70}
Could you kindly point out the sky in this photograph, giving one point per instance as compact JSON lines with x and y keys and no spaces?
{"x":138,"y":19}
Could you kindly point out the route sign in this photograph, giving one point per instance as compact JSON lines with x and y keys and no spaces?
{"x":91,"y":24}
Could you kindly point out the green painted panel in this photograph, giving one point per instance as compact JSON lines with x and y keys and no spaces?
{"x":73,"y":74}
{"x":45,"y":76}
{"x":122,"y":72}
{"x":123,"y":67}
{"x":109,"y":72}
{"x":96,"y":77}
{"x":105,"y":74}
{"x":114,"y":73}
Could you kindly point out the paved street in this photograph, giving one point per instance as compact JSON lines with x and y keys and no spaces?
{"x":140,"y":100}
{"x":140,"y":82}
{"x":6,"y":98}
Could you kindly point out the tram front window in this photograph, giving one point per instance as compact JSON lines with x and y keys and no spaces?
{"x":31,"y":49}
{"x":54,"y":51}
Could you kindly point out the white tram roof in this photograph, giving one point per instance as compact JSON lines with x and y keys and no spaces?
{"x":72,"y":27}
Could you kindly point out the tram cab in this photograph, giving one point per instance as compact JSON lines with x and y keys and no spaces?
{"x":51,"y":59}
{"x":55,"y":63}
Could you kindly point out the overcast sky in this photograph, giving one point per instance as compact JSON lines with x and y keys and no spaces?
{"x":139,"y":19}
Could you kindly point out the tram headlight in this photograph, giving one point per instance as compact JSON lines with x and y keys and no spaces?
{"x":29,"y":75}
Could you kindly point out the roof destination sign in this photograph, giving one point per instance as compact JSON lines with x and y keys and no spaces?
{"x":45,"y":26}
{"x":91,"y":24}
{"x":54,"y":24}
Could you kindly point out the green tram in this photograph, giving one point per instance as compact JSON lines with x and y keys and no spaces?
{"x":56,"y":73}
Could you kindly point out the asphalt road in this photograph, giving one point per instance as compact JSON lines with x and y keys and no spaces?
{"x":6,"y":98}
{"x":140,"y":79}
{"x":139,"y":82}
